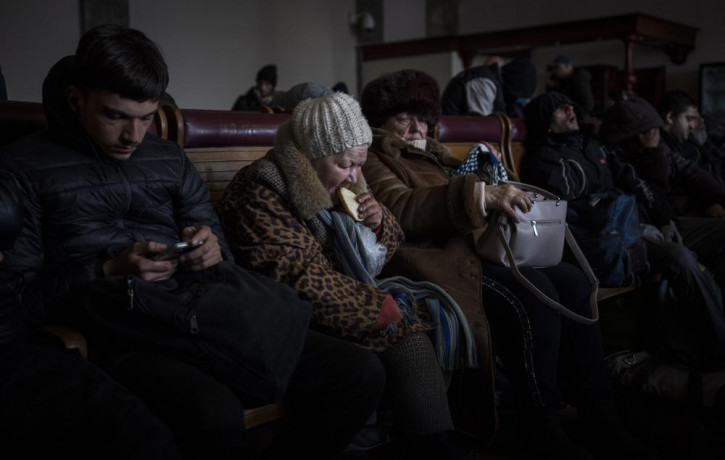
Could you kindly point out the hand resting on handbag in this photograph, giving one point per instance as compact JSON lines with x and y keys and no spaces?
{"x":535,"y":239}
{"x":505,"y":198}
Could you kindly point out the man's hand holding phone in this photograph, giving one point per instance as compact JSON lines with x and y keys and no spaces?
{"x":138,"y":260}
{"x":174,"y":251}
{"x":152,"y":261}
{"x":206,"y":251}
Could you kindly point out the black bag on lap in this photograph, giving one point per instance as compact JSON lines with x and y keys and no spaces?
{"x":245,"y":329}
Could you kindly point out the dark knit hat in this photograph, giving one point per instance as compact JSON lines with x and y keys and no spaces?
{"x":539,"y":112}
{"x":626,"y":119}
{"x":268,"y":73}
{"x":407,"y":90}
{"x":519,"y":79}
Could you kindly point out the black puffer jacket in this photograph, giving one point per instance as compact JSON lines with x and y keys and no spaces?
{"x":11,"y":219}
{"x":574,"y":167}
{"x":566,"y":164}
{"x":84,"y":207}
{"x":687,"y":188}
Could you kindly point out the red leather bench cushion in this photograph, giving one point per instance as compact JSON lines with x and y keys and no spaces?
{"x":469,"y":129}
{"x":225,"y":128}
{"x":519,"y":130}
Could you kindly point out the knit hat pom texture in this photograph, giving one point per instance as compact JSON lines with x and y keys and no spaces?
{"x":329,"y":125}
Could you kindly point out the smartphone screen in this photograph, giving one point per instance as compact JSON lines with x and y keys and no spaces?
{"x":174,"y":251}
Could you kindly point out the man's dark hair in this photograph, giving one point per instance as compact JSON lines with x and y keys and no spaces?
{"x":675,"y":101}
{"x":124,"y":61}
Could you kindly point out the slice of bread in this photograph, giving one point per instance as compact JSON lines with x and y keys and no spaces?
{"x":349,"y":202}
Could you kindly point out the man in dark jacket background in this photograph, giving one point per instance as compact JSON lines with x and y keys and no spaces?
{"x":261,"y":93}
{"x":574,"y":82}
{"x":560,"y":159}
{"x":685,"y":131}
{"x":101,"y":197}
{"x":474,"y":91}
{"x":682,"y":193}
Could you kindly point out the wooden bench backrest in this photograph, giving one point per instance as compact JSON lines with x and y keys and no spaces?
{"x":220,"y":143}
{"x":460,"y":133}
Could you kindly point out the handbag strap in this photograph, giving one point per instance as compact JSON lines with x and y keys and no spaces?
{"x":532,"y":188}
{"x":583,"y":263}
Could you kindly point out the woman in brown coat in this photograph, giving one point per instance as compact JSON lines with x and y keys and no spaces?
{"x":410,"y":173}
{"x":273,"y":214}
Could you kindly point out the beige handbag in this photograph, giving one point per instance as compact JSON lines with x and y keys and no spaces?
{"x":536,"y":241}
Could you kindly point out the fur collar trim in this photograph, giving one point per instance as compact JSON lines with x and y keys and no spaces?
{"x":307,"y":193}
{"x":392,"y":145}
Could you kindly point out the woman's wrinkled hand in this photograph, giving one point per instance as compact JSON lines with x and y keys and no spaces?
{"x":505,"y":197}
{"x":369,"y":211}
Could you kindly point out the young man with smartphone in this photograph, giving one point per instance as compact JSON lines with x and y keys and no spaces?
{"x":102,"y":195}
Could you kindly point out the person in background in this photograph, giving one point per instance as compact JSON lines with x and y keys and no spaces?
{"x":706,"y":138}
{"x":562,"y":160}
{"x":574,"y":83}
{"x":685,"y":132}
{"x":519,"y":84}
{"x":679,"y":114}
{"x":274,"y":215}
{"x":500,"y":85}
{"x":410,"y":173}
{"x":475,"y":91}
{"x":102,"y":196}
{"x":288,"y":100}
{"x":340,"y":87}
{"x":55,"y":402}
{"x":683,"y":200}
{"x":261,"y":93}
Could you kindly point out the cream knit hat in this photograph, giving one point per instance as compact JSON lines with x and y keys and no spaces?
{"x":329,"y":125}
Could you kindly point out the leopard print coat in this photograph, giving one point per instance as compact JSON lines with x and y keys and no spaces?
{"x":269,"y":216}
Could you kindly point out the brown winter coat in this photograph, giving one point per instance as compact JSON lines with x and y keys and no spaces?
{"x":438,"y":215}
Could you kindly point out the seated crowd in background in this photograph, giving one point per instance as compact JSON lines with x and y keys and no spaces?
{"x":562,"y":160}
